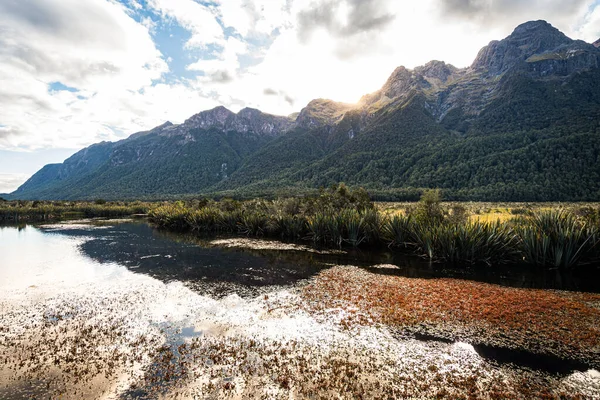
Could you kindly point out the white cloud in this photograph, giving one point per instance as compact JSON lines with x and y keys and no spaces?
{"x":199,"y":19}
{"x":239,"y":14}
{"x":337,"y":58}
{"x":87,"y":45}
{"x":486,"y":14}
{"x":255,"y":17}
{"x":10,"y":182}
{"x":224,"y":68}
{"x":589,"y":30}
{"x":343,"y":49}
{"x":96,"y":48}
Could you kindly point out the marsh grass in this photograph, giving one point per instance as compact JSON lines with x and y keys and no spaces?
{"x":396,"y":230}
{"x":545,"y":238}
{"x":545,"y":235}
{"x":466,"y":242}
{"x":290,"y":226}
{"x":555,"y":238}
{"x":205,"y":219}
{"x":319,"y":225}
{"x":34,"y":211}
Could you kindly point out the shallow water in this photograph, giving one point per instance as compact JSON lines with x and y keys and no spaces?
{"x":120,"y":310}
{"x":247,"y":270}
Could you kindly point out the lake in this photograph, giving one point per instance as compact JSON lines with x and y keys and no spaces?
{"x":118,"y":309}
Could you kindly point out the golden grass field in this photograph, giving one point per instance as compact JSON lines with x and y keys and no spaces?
{"x":488,"y":211}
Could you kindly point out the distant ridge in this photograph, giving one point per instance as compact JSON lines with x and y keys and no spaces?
{"x":521,"y":123}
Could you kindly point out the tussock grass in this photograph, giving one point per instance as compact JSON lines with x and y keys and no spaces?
{"x":470,"y":242}
{"x":31,"y":211}
{"x":555,"y":238}
{"x":338,"y":217}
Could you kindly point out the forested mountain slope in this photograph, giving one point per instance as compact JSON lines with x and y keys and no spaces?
{"x":521,"y":123}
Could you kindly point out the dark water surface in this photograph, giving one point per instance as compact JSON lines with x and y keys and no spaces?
{"x":220,"y":271}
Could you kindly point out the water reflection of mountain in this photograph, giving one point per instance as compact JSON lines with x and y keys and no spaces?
{"x":220,"y":271}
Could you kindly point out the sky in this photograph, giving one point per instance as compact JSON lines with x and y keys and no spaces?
{"x":77,"y":72}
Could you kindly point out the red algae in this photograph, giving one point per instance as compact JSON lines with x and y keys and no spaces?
{"x":560,"y":323}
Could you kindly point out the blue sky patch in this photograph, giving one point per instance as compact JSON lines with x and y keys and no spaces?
{"x":170,"y":39}
{"x":59,"y":86}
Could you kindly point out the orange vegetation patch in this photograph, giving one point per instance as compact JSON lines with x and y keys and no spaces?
{"x":560,"y":323}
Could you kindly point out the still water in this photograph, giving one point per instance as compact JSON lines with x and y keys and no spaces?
{"x":102,"y":310}
{"x":73,"y":251}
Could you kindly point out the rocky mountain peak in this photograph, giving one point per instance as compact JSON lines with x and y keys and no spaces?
{"x":215,"y":117}
{"x":532,"y":27}
{"x":253,"y":120}
{"x":158,"y":129}
{"x":246,"y":120}
{"x":163,"y":126}
{"x":538,"y":36}
{"x":248,"y":112}
{"x":528,"y":39}
{"x":400,"y":74}
{"x":400,"y":84}
{"x":320,"y":112}
{"x":596,"y":43}
{"x":437,"y":70}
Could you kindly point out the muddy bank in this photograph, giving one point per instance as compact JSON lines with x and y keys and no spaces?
{"x":261,"y":244}
{"x":165,"y":341}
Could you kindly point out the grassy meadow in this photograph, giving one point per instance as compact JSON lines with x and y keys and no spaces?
{"x":495,"y":211}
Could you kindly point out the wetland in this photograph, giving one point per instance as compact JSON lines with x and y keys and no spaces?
{"x":121,"y":309}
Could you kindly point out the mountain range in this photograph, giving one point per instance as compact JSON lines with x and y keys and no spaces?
{"x":522,"y":123}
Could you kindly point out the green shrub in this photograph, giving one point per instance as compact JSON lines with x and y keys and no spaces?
{"x":254,"y":224}
{"x":458,"y":214}
{"x":206,"y":219}
{"x":429,"y":210}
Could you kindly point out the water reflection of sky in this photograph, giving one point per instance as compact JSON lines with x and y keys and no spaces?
{"x":76,"y":252}
{"x":30,"y":257}
{"x":73,"y":254}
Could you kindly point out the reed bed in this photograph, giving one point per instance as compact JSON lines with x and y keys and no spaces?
{"x":340,"y":217}
{"x":35,"y":211}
